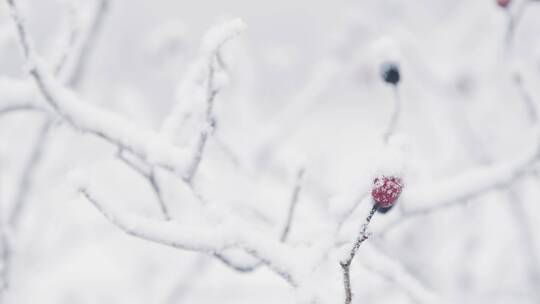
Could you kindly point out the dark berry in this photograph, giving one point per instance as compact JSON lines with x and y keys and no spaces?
{"x":390,"y":73}
{"x":503,"y":3}
{"x":386,"y":190}
{"x":385,"y":210}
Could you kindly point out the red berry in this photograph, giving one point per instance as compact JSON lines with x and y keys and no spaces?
{"x":503,"y":3}
{"x":386,"y":190}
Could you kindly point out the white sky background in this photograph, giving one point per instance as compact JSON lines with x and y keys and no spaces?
{"x":459,"y":108}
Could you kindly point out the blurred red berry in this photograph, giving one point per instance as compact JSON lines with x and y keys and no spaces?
{"x":386,"y":190}
{"x":503,"y":3}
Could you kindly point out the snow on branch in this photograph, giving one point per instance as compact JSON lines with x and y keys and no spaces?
{"x":206,"y":237}
{"x":83,"y":34}
{"x":5,"y":253}
{"x":153,"y":149}
{"x":472,"y":182}
{"x":346,"y":263}
{"x":247,"y":265}
{"x":146,"y":144}
{"x":25,"y":185}
{"x":390,"y":269}
{"x":196,"y":96}
{"x":17,"y":95}
{"x":217,"y":36}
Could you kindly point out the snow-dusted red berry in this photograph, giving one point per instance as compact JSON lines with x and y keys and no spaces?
{"x":386,"y":190}
{"x":503,"y":3}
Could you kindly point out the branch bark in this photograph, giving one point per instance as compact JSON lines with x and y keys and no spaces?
{"x":346,"y":263}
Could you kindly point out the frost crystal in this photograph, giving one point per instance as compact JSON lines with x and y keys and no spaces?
{"x":386,"y":190}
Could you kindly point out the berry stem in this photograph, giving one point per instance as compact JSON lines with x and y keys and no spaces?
{"x":346,"y":264}
{"x":395,"y":115}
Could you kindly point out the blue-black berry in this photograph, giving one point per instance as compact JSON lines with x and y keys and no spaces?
{"x":385,"y":210}
{"x":390,"y":73}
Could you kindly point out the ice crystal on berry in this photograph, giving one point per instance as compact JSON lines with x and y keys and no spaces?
{"x":386,"y":190}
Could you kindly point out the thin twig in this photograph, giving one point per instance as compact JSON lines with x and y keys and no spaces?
{"x":182,"y":237}
{"x":150,"y":176}
{"x":517,"y":78}
{"x":530,"y":105}
{"x":36,"y":154}
{"x":518,"y":210}
{"x":25,"y":184}
{"x":5,"y":257}
{"x":189,"y":277}
{"x":346,"y":264}
{"x":18,"y":107}
{"x":211,"y":93}
{"x":223,"y":258}
{"x":88,"y":42}
{"x":527,"y":237}
{"x":23,"y":37}
{"x":159,"y":195}
{"x":136,"y":167}
{"x":513,"y":22}
{"x":284,"y":233}
{"x":292,"y":205}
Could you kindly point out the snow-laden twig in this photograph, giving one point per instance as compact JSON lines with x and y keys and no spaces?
{"x":514,"y":18}
{"x":209,"y":123}
{"x":527,"y":239}
{"x":292,"y":204}
{"x":166,"y":233}
{"x":209,"y":64}
{"x":150,"y":146}
{"x":346,"y":263}
{"x":142,"y":169}
{"x":145,"y":144}
{"x":473,"y":182}
{"x":530,"y":104}
{"x":5,"y":257}
{"x":25,"y":184}
{"x":248,"y":266}
{"x":188,"y":279}
{"x":10,"y":108}
{"x":511,"y":194}
{"x":159,"y":195}
{"x":209,"y":238}
{"x":383,"y":265}
{"x":17,"y":95}
{"x":72,"y":63}
{"x":149,"y":174}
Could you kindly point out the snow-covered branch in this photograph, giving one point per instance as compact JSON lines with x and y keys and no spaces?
{"x":5,"y":254}
{"x":82,"y":39}
{"x":207,"y":237}
{"x":346,"y":263}
{"x":393,"y":271}
{"x":214,"y":170}
{"x":201,"y":86}
{"x":147,"y":145}
{"x":23,"y":190}
{"x":473,"y":182}
{"x":17,"y":95}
